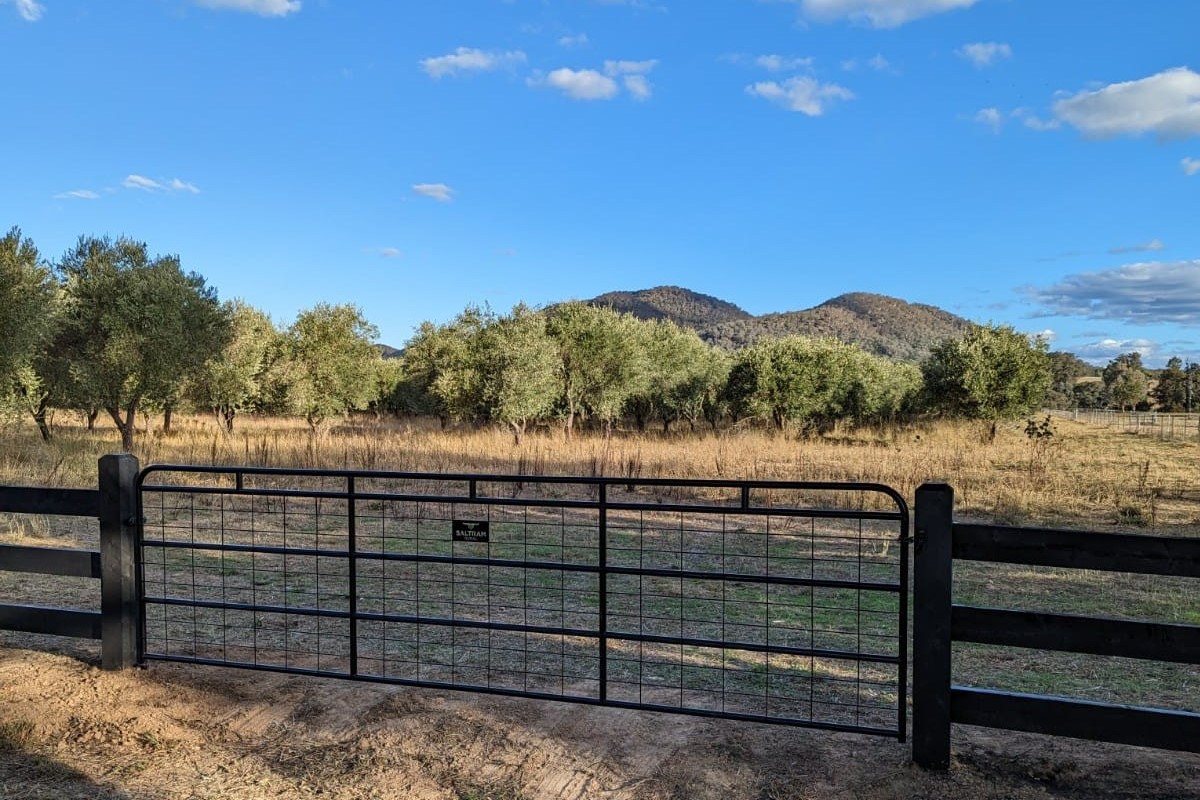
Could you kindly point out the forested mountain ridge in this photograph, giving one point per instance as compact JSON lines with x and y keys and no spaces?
{"x":881,"y":325}
{"x":682,"y":306}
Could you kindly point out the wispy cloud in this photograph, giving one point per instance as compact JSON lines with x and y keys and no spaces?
{"x":802,"y":94}
{"x":778,"y":63}
{"x":389,"y":252}
{"x":638,"y":87}
{"x":1153,"y":245}
{"x":991,"y":117}
{"x":876,"y":62}
{"x":1034,"y":122}
{"x":30,"y":10}
{"x":1190,"y":166}
{"x":466,"y":60}
{"x":1166,"y":104}
{"x":77,"y":194}
{"x":984,"y":54}
{"x":878,"y":13}
{"x":633,"y":75}
{"x":437,"y":191}
{"x":150,"y":185}
{"x":1147,"y":292}
{"x":263,"y":8}
{"x":578,"y":40}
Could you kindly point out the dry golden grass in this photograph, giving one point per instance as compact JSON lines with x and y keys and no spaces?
{"x":1086,"y":476}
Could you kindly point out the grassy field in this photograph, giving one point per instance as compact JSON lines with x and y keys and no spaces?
{"x":1082,"y":477}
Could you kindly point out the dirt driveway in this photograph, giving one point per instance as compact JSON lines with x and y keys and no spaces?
{"x":69,"y":730}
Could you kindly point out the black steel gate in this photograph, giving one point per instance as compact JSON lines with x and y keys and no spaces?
{"x":756,"y":600}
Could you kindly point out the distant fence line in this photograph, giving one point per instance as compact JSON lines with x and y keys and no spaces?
{"x":1143,"y":423}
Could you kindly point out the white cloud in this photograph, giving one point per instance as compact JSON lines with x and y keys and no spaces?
{"x":1146,"y":292}
{"x":984,"y":54}
{"x":803,"y":94}
{"x":150,"y":185}
{"x":638,"y":87}
{"x":1167,"y":104}
{"x":878,"y":63}
{"x":1143,"y":247}
{"x":30,"y":10}
{"x":263,"y":8}
{"x":578,"y":40}
{"x":138,"y":182}
{"x":1033,"y":122}
{"x":633,"y":76}
{"x":77,"y":194}
{"x":438,"y":191}
{"x":389,"y":252}
{"x":777,"y":63}
{"x":989,"y":116}
{"x":878,"y":13}
{"x":1046,"y":335}
{"x":1108,"y":348}
{"x":630,"y":67}
{"x":1190,"y":166}
{"x":583,"y":84}
{"x":467,"y":59}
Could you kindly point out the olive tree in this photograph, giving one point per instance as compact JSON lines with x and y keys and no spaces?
{"x":793,"y":380}
{"x":232,"y":381}
{"x":991,"y":373}
{"x":518,"y":368}
{"x":602,"y":365}
{"x":27,"y":289}
{"x":135,"y":326}
{"x":330,"y":362}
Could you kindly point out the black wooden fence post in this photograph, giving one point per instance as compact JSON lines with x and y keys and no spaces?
{"x":931,"y":625}
{"x":119,"y":604}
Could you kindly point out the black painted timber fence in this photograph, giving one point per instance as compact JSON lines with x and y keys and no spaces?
{"x":937,"y":623}
{"x":114,"y":504}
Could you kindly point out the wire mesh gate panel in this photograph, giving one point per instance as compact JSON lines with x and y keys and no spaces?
{"x":766,"y":601}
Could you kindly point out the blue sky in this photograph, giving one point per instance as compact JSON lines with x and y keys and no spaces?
{"x":1030,"y":162}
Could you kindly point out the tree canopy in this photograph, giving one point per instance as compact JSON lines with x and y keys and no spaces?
{"x":992,"y":373}
{"x":138,"y":325}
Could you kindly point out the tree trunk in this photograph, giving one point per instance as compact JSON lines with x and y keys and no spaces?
{"x":125,"y":425}
{"x":518,"y":432}
{"x":227,"y":415}
{"x":92,"y":414}
{"x":168,"y":412}
{"x":39,"y":416}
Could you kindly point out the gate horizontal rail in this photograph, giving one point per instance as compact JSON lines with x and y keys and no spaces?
{"x":735,"y":599}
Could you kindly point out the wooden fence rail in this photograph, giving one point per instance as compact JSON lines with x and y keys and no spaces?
{"x":937,"y":623}
{"x":115,"y":505}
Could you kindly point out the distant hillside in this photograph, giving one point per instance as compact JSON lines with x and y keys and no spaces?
{"x":683,"y":306}
{"x":879,"y":324}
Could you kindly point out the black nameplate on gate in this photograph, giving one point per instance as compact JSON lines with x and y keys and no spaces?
{"x":470,"y":530}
